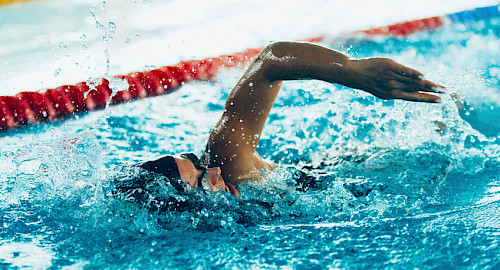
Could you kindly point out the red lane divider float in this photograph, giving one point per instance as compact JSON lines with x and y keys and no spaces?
{"x":32,"y":107}
{"x":406,"y":28}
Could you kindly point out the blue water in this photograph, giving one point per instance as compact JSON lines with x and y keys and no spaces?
{"x":399,"y":185}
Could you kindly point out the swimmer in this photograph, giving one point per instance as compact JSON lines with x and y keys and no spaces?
{"x":230,"y":156}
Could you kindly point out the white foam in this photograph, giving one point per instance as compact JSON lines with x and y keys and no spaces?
{"x":26,"y":254}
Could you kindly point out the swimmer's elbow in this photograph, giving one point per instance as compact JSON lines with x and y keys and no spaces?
{"x":277,"y":52}
{"x":274,"y":58}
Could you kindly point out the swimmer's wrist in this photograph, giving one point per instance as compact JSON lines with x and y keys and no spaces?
{"x":348,"y":71}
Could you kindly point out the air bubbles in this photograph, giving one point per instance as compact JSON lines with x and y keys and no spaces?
{"x":63,"y":45}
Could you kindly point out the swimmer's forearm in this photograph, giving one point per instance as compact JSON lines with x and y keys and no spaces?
{"x":298,"y":60}
{"x":381,"y":77}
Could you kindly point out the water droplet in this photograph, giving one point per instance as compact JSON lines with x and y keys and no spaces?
{"x":112,"y":27}
{"x":62,"y":45}
{"x":256,"y":136}
{"x":57,"y":72}
{"x":84,"y":47}
{"x":128,"y":40}
{"x":117,"y":84}
{"x":83,"y":37}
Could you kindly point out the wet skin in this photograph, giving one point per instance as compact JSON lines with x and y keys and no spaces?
{"x":233,"y":140}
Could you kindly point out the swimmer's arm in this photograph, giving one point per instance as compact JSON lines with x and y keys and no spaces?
{"x":381,"y":77}
{"x":234,"y":139}
{"x":253,"y":96}
{"x":257,"y":89}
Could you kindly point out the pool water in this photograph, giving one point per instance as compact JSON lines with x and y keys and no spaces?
{"x":398,"y":184}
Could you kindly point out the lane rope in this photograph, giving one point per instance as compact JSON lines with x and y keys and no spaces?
{"x":27,"y":108}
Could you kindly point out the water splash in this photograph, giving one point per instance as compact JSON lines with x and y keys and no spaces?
{"x":362,"y":183}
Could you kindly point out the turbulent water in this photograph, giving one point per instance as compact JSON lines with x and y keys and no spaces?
{"x":384,"y":183}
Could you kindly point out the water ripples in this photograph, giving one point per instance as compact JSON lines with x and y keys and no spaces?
{"x":363,"y":183}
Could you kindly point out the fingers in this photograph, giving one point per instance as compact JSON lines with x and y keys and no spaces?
{"x":416,"y":84}
{"x":214,"y":179}
{"x":427,"y":88}
{"x":409,"y":84}
{"x":408,"y":72}
{"x":413,"y":77}
{"x":417,"y":96}
{"x":232,"y":189}
{"x":216,"y":182}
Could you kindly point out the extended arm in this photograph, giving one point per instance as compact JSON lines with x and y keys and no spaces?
{"x":233,"y":140}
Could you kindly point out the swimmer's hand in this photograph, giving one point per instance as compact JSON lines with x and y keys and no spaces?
{"x":216,"y":182}
{"x":387,"y":79}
